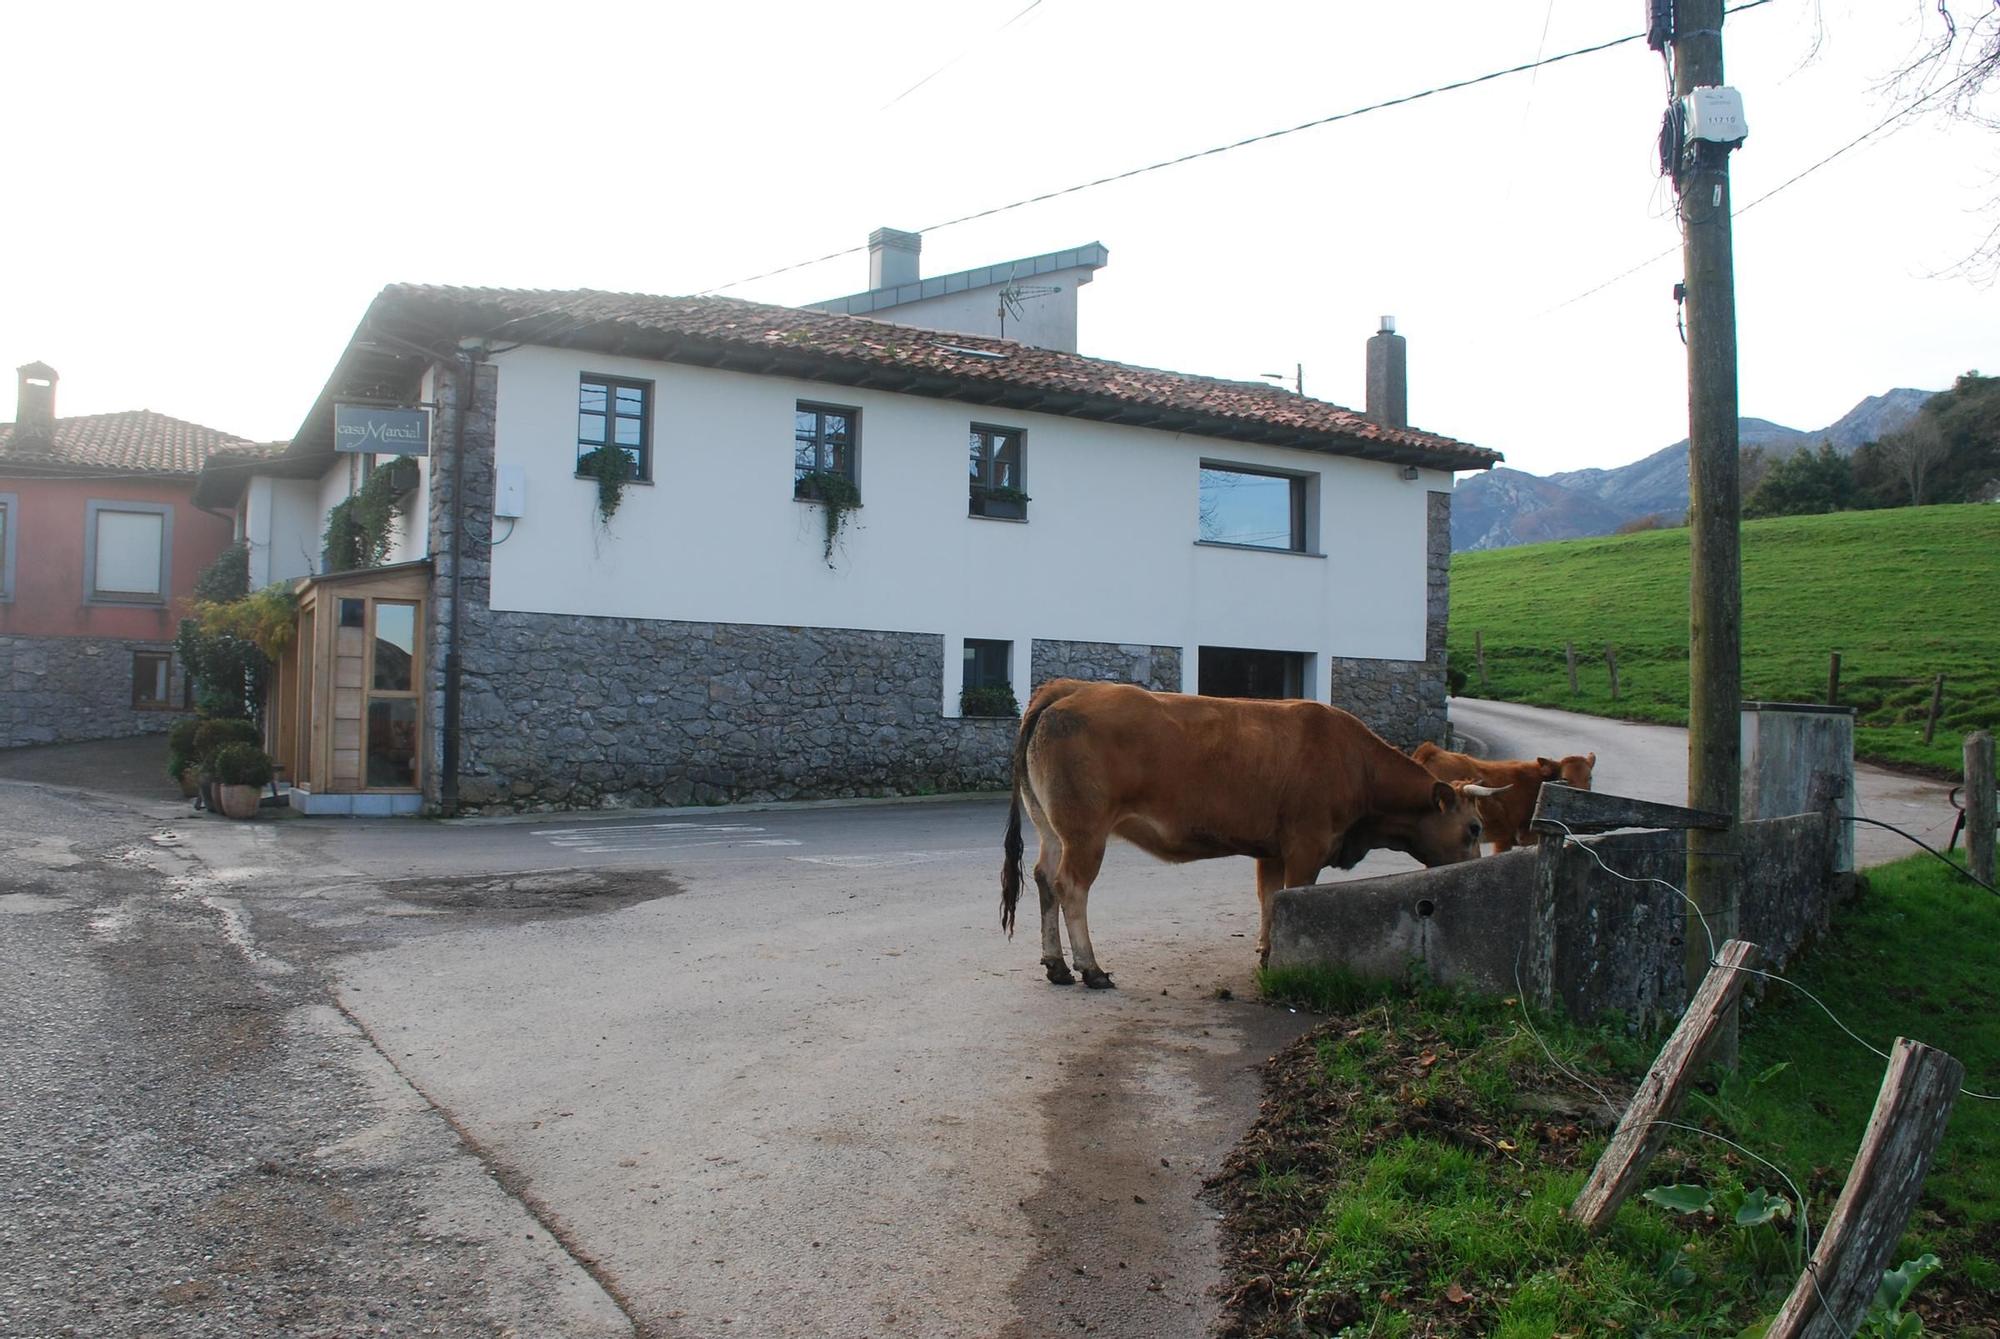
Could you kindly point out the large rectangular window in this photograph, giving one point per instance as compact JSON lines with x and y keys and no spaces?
{"x":1236,"y":671}
{"x":10,"y":507}
{"x":825,"y":440}
{"x":126,"y":557}
{"x":1252,"y":508}
{"x":997,"y":478}
{"x":614,"y":412}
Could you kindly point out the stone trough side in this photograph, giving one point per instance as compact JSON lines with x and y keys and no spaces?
{"x":1461,"y":925}
{"x":1611,"y":945}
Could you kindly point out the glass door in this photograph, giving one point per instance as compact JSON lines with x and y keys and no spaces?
{"x":392,"y":712}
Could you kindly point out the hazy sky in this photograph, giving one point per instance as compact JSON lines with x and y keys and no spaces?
{"x":203,"y":198}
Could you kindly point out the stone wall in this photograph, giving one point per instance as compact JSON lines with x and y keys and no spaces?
{"x":564,"y":711}
{"x":62,"y":689}
{"x":1404,"y":700}
{"x":1154,"y":667}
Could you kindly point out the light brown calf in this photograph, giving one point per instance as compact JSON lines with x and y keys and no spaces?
{"x":1296,"y":786}
{"x":1506,"y":815}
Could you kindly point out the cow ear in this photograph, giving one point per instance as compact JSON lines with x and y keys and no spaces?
{"x":1444,"y":796}
{"x":1590,"y":758}
{"x":1551,"y":769}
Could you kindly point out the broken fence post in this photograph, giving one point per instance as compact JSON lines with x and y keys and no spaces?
{"x":1640,"y":1134}
{"x":1833,"y":680}
{"x":1569,"y":649}
{"x":1611,"y":660}
{"x":1834,"y":1294}
{"x":1479,"y":655}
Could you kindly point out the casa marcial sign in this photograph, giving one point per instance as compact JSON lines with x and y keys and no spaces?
{"x":381,"y":431}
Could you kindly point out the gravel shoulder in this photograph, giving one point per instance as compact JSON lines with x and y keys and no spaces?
{"x":196,"y":1141}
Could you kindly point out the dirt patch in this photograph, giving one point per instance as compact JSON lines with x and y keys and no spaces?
{"x":578,"y":892}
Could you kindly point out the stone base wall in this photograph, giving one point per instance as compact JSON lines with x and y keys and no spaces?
{"x":58,"y":690}
{"x":565,"y":711}
{"x":1154,"y":667}
{"x":1400,"y":700}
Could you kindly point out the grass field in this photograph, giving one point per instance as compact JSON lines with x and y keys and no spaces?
{"x":1903,"y":595}
{"x":1409,"y":1174}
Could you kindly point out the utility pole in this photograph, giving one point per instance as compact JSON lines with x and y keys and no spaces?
{"x":1715,"y":597}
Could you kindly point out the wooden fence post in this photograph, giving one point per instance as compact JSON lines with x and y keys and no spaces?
{"x":1833,"y":680}
{"x":1874,"y":1206}
{"x":1937,"y":705}
{"x":1479,"y":656}
{"x":1570,"y":649}
{"x":1611,"y":660}
{"x":1640,"y":1134}
{"x":1979,"y":802}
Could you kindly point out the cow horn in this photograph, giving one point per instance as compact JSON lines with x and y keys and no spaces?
{"x":1474,"y":788}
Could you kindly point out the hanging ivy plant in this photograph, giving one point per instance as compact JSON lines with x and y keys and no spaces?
{"x":837,"y":497}
{"x":612,"y":467}
{"x":358,"y":528}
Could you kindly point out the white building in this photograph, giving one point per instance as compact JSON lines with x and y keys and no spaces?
{"x":1019,"y":513}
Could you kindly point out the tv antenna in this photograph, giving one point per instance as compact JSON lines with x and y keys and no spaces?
{"x":1014,"y":295}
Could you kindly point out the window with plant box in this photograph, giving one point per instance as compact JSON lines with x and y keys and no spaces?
{"x":615,"y":412}
{"x":995,"y":474}
{"x":1258,"y":509}
{"x":127,"y":552}
{"x":988,"y":686}
{"x":825,"y":440}
{"x":152,"y":681}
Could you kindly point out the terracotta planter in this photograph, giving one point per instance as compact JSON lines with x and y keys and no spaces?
{"x":238,"y":801}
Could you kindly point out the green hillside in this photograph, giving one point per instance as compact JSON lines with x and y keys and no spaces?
{"x":1903,"y":595}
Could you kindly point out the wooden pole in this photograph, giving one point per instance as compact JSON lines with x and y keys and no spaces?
{"x":1833,"y":680}
{"x":1937,"y":705}
{"x":1979,"y":804}
{"x":1640,"y":1134}
{"x":1715,"y":587}
{"x":1874,"y":1206}
{"x":1479,"y":655}
{"x":1569,"y":649}
{"x":1611,"y":660}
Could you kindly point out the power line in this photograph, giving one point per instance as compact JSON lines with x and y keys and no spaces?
{"x":964,"y":51}
{"x":1218,"y":149}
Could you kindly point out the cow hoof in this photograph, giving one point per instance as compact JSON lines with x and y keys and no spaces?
{"x":1058,"y":970}
{"x":1097,"y":980}
{"x":1263,"y":957}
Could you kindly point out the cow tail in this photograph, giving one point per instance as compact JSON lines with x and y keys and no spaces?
{"x":1010,"y":866}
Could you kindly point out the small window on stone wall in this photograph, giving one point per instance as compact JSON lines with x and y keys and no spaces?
{"x":152,"y":681}
{"x":989,"y":679}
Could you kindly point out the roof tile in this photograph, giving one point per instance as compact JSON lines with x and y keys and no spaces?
{"x":135,"y":441}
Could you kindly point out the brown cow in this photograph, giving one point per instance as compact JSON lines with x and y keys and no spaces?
{"x":1506,"y":815}
{"x":1296,"y":786}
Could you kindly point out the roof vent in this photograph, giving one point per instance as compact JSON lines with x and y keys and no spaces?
{"x":35,"y":403}
{"x":892,"y":257}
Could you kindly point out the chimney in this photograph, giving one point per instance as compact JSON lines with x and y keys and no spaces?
{"x":892,"y":257}
{"x":35,"y":407}
{"x":1388,"y":377}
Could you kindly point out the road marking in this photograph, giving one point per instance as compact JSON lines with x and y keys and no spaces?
{"x":886,"y":858}
{"x":612,"y":838}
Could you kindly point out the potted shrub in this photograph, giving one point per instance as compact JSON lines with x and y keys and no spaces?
{"x":241,"y":773}
{"x":993,"y":700}
{"x":210,"y":737}
{"x":180,"y":754}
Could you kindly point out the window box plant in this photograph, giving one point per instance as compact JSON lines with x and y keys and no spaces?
{"x":241,"y":773}
{"x":612,"y":468}
{"x":837,"y":496}
{"x":999,"y":502}
{"x":992,"y":700}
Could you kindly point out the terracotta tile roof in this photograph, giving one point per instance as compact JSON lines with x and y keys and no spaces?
{"x":854,"y":351}
{"x":137,"y":441}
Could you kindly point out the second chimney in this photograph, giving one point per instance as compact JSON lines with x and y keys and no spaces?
{"x":35,"y":405}
{"x":1388,"y":377}
{"x":892,"y":257}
